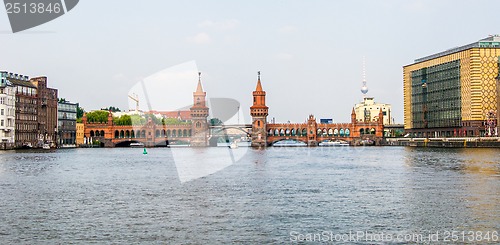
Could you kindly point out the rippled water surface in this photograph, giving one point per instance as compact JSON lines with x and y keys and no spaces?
{"x":122,"y":196}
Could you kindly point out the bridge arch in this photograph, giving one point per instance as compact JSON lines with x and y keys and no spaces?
{"x":284,"y":139}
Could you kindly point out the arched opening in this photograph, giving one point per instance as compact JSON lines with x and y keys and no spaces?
{"x":361,"y":131}
{"x":102,"y":133}
{"x":270,"y":132}
{"x":341,"y":132}
{"x":325,"y":132}
{"x":122,"y":134}
{"x":347,"y":132}
{"x":127,"y":134}
{"x":184,"y":133}
{"x":367,"y":131}
{"x":92,"y":133}
{"x":276,"y":132}
{"x":293,"y":132}
{"x":168,"y":132}
{"x":143,"y":133}
{"x":132,"y":134}
{"x":318,"y":132}
{"x":157,"y":133}
{"x":163,"y":133}
{"x":137,"y":134}
{"x":372,"y":131}
{"x":174,"y":133}
{"x":97,"y":133}
{"x":304,"y":132}
{"x":330,"y":132}
{"x":282,"y":132}
{"x":287,"y":132}
{"x":117,"y":134}
{"x":189,"y":133}
{"x":198,"y":124}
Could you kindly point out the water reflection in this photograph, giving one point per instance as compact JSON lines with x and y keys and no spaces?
{"x":123,"y":196}
{"x":459,"y":187}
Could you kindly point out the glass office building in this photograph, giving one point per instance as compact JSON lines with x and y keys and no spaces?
{"x":453,"y":93}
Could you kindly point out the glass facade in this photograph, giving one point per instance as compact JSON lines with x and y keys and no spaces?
{"x":435,"y":96}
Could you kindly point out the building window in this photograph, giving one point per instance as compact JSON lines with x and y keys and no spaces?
{"x":1,"y":112}
{"x":2,"y":101}
{"x":1,"y":123}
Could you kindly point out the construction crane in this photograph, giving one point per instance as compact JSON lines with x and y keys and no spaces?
{"x":135,"y":98}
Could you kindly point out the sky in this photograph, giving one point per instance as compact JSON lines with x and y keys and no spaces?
{"x":310,"y":52}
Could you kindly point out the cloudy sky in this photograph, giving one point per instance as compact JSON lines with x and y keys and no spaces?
{"x":309,"y":52}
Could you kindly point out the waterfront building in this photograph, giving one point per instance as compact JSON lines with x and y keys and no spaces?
{"x":80,"y":134}
{"x":35,"y":113}
{"x":368,"y":110}
{"x":26,"y":109}
{"x":454,"y":92}
{"x":7,"y":112}
{"x":67,"y":131}
{"x":47,"y":110}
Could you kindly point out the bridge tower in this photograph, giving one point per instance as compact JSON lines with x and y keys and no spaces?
{"x":311,"y":131}
{"x":259,"y":112}
{"x":199,"y":115}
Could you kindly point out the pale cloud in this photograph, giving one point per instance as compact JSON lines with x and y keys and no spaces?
{"x":219,"y":25}
{"x":119,"y":77}
{"x":283,"y":56}
{"x":288,"y":29}
{"x":200,"y":38}
{"x":231,"y":39}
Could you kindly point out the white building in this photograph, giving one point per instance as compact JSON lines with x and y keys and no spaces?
{"x":7,"y":110}
{"x":368,"y":111}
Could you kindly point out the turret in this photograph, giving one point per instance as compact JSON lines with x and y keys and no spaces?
{"x":259,"y":112}
{"x":353,"y":116}
{"x":199,"y":115}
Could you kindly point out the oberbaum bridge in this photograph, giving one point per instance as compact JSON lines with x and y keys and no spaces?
{"x":262,"y":133}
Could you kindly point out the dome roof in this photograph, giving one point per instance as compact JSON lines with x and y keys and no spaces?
{"x":364,"y":89}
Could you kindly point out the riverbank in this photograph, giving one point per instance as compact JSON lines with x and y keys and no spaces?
{"x":463,"y":142}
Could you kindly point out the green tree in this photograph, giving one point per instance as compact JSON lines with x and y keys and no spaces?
{"x":79,"y":112}
{"x":97,"y":116}
{"x":137,"y":120}
{"x":112,"y":109}
{"x":124,"y":120}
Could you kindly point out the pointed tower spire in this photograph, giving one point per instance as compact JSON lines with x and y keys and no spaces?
{"x":199,"y":89}
{"x":259,"y":85}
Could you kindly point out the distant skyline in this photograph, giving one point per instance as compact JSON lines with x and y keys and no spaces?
{"x":310,"y":53}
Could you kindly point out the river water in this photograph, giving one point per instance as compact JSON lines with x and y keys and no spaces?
{"x":277,"y":195}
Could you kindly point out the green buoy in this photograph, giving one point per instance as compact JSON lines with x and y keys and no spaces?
{"x":145,"y":152}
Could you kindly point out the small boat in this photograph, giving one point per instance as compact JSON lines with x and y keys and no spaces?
{"x":27,"y":146}
{"x":333,"y":143}
{"x":136,"y":144}
{"x":289,"y":143}
{"x":46,"y":147}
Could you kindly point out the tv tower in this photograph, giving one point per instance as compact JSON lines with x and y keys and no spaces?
{"x":364,"y":88}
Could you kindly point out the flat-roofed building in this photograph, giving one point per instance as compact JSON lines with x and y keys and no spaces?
{"x":454,"y":92}
{"x":7,"y":112}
